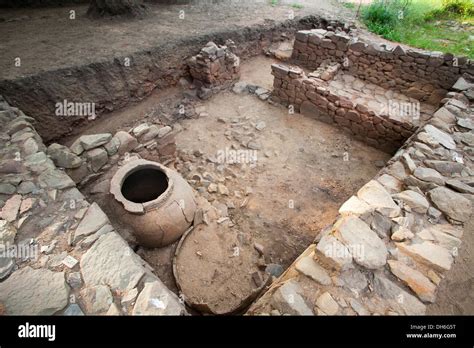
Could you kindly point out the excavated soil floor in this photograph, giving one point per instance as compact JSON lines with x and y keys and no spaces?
{"x":304,"y":171}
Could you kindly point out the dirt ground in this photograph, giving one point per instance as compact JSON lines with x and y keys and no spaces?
{"x":456,"y":292}
{"x":295,"y":151}
{"x":304,"y":171}
{"x":47,"y":39}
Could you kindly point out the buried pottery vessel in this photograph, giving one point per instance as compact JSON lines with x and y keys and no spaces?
{"x":155,"y":201}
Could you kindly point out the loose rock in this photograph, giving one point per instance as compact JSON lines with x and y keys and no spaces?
{"x":374,"y":194}
{"x":34,"y":292}
{"x":11,"y":208}
{"x":453,"y":204}
{"x":7,"y":234}
{"x":366,"y":247}
{"x":428,"y":174}
{"x":97,"y":299}
{"x":156,"y":299}
{"x":429,"y":254}
{"x":399,"y":299}
{"x":310,"y":268}
{"x":327,"y":305}
{"x":288,"y":300}
{"x":111,"y":261}
{"x":94,"y":219}
{"x":417,"y":202}
{"x":89,"y":142}
{"x":63,"y":157}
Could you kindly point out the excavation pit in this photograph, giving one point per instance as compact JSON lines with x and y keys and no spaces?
{"x":221,"y":188}
{"x":279,"y":194}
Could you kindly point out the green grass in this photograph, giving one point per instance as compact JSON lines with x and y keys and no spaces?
{"x":432,"y":37}
{"x":277,"y":2}
{"x":422,"y":23}
{"x":298,"y":6}
{"x":350,"y":5}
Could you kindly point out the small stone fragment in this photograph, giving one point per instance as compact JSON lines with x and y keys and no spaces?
{"x":327,"y":305}
{"x":310,"y":268}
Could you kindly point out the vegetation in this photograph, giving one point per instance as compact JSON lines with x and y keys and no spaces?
{"x":437,"y":25}
{"x":350,"y":5}
{"x":298,"y":6}
{"x":294,"y":5}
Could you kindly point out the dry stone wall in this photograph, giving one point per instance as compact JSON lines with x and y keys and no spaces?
{"x":390,"y":247}
{"x":59,"y":253}
{"x":312,"y":97}
{"x":93,"y":154}
{"x":215,"y":67}
{"x":426,"y":76}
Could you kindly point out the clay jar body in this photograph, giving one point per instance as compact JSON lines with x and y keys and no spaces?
{"x":155,"y":201}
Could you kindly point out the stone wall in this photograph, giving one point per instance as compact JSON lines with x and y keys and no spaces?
{"x":214,"y":68}
{"x":311,"y":97}
{"x":93,"y":154}
{"x":419,"y":74}
{"x":59,"y":254}
{"x":393,"y":242}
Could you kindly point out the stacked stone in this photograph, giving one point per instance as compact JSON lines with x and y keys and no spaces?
{"x":313,"y":47}
{"x":312,"y":97}
{"x":91,"y":155}
{"x":425,"y":76}
{"x":76,"y":261}
{"x":393,"y":242}
{"x":326,"y":71}
{"x":215,"y":66}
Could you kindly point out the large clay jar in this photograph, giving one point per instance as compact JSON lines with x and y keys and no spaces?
{"x":156,"y":202}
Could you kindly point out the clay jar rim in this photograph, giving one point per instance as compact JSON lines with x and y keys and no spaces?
{"x":128,"y":169}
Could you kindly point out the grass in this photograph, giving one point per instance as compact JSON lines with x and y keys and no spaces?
{"x":421,"y":23}
{"x":298,"y":6}
{"x":294,"y":5}
{"x":350,"y":5}
{"x":433,"y":37}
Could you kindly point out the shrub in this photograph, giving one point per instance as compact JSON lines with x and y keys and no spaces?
{"x":452,"y":9}
{"x":459,"y":7}
{"x":381,"y":16}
